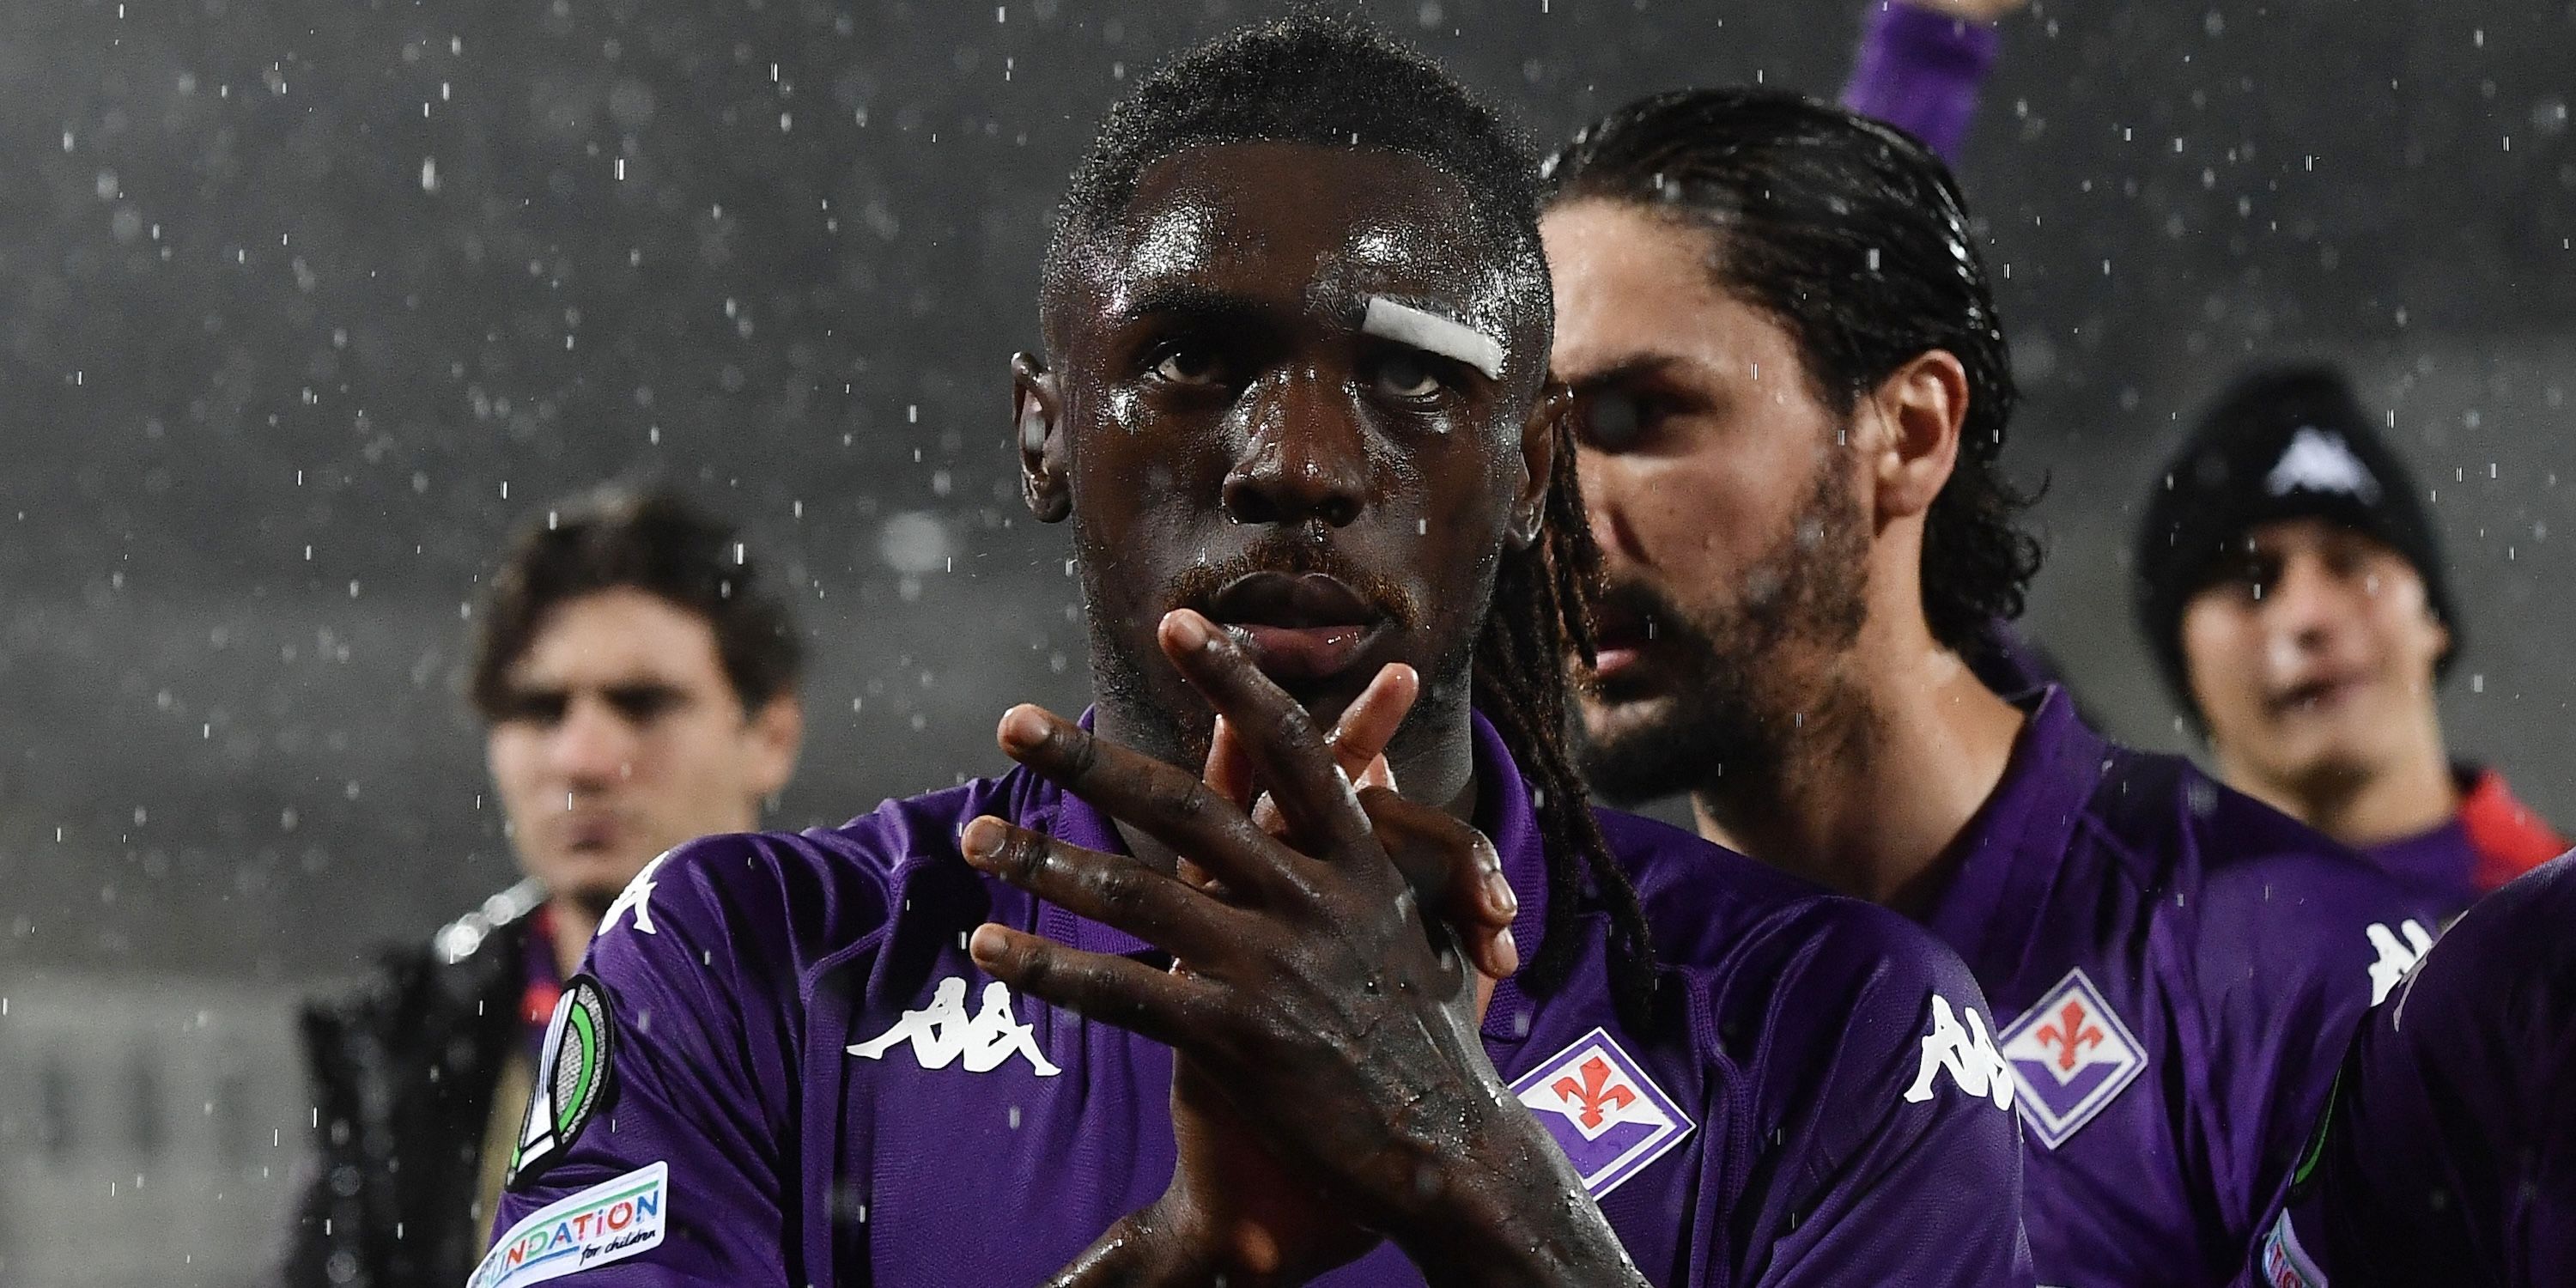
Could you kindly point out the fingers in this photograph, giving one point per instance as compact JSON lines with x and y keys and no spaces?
{"x":1358,"y":741}
{"x":1288,"y":753}
{"x":1112,"y":889}
{"x":1141,"y":999}
{"x":1360,"y":737}
{"x":1169,"y":804}
{"x":1456,"y":872}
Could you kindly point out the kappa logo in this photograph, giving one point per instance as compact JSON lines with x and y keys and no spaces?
{"x":610,"y":1221}
{"x":2070,"y":1056}
{"x":637,"y":898}
{"x":1967,"y":1053}
{"x":2320,"y":460}
{"x":2396,"y":956}
{"x":1604,"y":1112}
{"x":941,"y":1034}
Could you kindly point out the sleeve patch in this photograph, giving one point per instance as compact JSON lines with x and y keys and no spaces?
{"x":610,"y":1221}
{"x":572,"y":1075}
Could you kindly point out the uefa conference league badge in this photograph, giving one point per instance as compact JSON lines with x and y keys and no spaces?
{"x":1605,"y":1113}
{"x":572,"y":1074}
{"x":2070,"y":1057}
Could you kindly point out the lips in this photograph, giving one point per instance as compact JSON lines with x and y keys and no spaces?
{"x":1297,"y":628}
{"x":2319,"y":694}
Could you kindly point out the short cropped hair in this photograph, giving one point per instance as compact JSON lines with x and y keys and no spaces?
{"x":1325,"y":80}
{"x":655,"y":542}
{"x":1854,"y":237}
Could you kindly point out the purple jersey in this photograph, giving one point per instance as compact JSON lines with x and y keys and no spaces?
{"x":2493,"y":839}
{"x":2449,"y":1156}
{"x":809,"y":1082}
{"x":1919,"y":71}
{"x":2183,"y":967}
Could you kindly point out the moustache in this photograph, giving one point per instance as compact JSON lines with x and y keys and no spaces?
{"x":1197,"y":585}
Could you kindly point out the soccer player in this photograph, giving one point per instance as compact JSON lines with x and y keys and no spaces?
{"x":2449,"y":1156}
{"x":1791,"y":391}
{"x":637,"y":681}
{"x":2291,"y":588}
{"x":1093,"y":1016}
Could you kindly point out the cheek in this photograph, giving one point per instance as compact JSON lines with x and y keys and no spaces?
{"x":2222,"y":652}
{"x":516,"y":758}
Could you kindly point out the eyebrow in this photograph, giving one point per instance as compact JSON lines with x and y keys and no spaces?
{"x":1633,"y":368}
{"x":1189,"y":300}
{"x":1443,"y":337}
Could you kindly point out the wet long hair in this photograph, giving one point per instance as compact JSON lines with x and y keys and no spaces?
{"x":1854,"y":237}
{"x":1335,"y":82}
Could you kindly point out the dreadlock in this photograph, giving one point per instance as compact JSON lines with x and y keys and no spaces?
{"x":1541,"y":611}
{"x":1334,"y":82}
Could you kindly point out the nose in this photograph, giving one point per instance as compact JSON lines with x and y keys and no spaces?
{"x":2306,"y":602}
{"x":1304,"y":457}
{"x":593,"y":747}
{"x":1602,"y":478}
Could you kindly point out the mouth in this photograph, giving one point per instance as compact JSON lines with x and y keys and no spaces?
{"x":591,"y":834}
{"x":1298,"y":629}
{"x":2319,"y":694}
{"x":1621,"y":634}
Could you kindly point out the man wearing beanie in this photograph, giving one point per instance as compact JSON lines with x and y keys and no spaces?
{"x":2292,"y":590}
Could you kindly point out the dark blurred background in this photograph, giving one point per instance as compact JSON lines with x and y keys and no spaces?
{"x":303,"y":306}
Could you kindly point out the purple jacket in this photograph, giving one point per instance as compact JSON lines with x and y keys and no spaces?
{"x":2449,"y":1155}
{"x":810,"y":1083}
{"x":2183,"y":967}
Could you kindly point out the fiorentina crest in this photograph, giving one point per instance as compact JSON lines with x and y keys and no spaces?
{"x":2070,"y":1056}
{"x":1605,"y":1113}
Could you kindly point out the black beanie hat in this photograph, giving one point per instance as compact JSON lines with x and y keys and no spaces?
{"x":2285,"y":442}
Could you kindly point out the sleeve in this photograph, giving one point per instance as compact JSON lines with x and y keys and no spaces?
{"x":2289,"y":956}
{"x":2442,"y":1157}
{"x":1920,"y":72}
{"x":676,"y":1170}
{"x":1897,"y":1155}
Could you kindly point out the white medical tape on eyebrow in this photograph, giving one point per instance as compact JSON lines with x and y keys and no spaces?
{"x":1432,"y":333}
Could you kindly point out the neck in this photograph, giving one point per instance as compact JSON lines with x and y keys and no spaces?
{"x":2407,"y":796}
{"x":1881,"y":777}
{"x":573,"y":925}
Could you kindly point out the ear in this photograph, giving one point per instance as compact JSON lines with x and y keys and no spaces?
{"x":1037,"y":413}
{"x":1922,"y":406}
{"x":1542,"y":435}
{"x":776,"y":733}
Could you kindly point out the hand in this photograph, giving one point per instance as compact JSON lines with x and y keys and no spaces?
{"x":1335,"y":1021}
{"x":1972,"y":10}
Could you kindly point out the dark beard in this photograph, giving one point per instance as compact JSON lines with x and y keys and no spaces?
{"x":1741,"y":677}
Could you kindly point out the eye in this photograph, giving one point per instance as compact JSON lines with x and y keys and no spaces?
{"x":1610,"y":419}
{"x":1189,"y":366}
{"x":1408,"y":377}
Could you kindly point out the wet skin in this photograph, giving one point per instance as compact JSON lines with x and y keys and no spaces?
{"x":1228,"y":442}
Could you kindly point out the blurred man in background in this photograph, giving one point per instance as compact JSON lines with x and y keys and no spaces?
{"x":637,"y":679}
{"x":2291,"y":588}
{"x":1791,"y":392}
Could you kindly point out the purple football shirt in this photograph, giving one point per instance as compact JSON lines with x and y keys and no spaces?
{"x":2449,"y":1156}
{"x":811,"y":1083}
{"x":2181,"y":968}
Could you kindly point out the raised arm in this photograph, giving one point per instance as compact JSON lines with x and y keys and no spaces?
{"x":1921,"y":64}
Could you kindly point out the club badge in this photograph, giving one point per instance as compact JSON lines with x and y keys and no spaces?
{"x":2071,"y":1056}
{"x":1605,"y":1113}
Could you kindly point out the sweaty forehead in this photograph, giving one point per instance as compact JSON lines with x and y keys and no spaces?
{"x":1303,"y":227}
